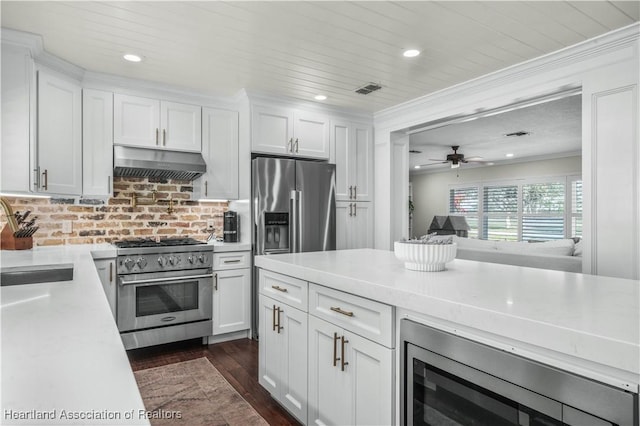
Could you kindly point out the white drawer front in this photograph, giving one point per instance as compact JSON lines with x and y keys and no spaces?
{"x":289,"y":290}
{"x":231,"y":260}
{"x":365,"y":317}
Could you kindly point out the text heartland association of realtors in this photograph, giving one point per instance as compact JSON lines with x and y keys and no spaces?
{"x":9,"y":414}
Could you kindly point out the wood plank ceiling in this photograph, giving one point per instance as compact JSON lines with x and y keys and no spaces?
{"x":300,"y":49}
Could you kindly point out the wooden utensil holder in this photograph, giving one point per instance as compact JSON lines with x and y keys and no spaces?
{"x":9,"y":242}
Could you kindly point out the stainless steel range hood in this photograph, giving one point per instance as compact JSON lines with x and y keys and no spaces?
{"x":157,"y":163}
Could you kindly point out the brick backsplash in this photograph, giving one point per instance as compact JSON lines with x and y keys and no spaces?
{"x":99,"y":221}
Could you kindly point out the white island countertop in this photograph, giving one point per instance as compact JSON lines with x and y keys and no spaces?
{"x":63,"y":361}
{"x":592,"y":321}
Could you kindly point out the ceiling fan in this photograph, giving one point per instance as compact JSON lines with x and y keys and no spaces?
{"x":455,"y":159}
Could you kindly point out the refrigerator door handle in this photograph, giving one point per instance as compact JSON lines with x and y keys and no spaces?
{"x":294,"y":209}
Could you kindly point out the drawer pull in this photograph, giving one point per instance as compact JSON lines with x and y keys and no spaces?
{"x":340,"y":311}
{"x":277,"y":287}
{"x":232,"y":261}
{"x":335,"y":349}
{"x":343,"y":362}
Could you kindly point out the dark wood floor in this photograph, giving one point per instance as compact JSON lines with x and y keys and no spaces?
{"x":236,"y":360}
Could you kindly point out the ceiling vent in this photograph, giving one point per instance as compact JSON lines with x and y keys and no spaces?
{"x":518,"y":133}
{"x":368,"y":88}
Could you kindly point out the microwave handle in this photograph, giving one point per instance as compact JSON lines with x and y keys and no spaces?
{"x":124,"y":282}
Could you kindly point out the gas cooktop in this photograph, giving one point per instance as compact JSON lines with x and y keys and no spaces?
{"x":164,"y":242}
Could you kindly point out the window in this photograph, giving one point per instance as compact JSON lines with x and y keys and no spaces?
{"x":500,"y":213}
{"x":464,"y":202}
{"x":543,"y":211}
{"x":529,"y":210}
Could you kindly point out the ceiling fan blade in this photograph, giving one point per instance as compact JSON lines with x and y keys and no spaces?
{"x":433,"y":164}
{"x":474,"y":159}
{"x":436,"y":159}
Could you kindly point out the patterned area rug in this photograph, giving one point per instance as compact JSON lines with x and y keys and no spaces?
{"x":193,"y":393}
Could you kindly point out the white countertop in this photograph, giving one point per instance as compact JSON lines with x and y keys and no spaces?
{"x":221,"y":246}
{"x":61,"y":349}
{"x":586,"y":317}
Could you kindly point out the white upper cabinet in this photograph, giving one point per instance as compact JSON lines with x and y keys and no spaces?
{"x":136,"y":121}
{"x":310,"y":135}
{"x":152,"y":123}
{"x":291,"y":132}
{"x":59,"y":143}
{"x":181,"y":126}
{"x":18,"y":84}
{"x":272,"y":130}
{"x":353,"y":145}
{"x":220,"y":152}
{"x":97,"y":142}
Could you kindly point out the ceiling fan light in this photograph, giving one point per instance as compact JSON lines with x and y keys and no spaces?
{"x":455,"y":165}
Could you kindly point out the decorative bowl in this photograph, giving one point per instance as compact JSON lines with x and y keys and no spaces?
{"x":425,"y":257}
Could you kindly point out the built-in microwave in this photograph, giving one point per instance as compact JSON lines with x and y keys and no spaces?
{"x":451,"y":380}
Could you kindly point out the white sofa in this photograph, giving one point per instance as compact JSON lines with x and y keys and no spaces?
{"x":560,"y":255}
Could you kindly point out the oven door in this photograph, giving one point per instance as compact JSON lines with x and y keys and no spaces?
{"x":163,"y":299}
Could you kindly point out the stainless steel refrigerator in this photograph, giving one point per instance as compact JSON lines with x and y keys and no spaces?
{"x":293,"y":210}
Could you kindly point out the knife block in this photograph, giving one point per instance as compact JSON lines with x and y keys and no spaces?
{"x":9,"y":242}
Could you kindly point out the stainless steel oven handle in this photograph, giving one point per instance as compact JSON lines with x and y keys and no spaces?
{"x":161,"y":280}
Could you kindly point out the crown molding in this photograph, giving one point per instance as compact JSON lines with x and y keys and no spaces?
{"x":593,"y":48}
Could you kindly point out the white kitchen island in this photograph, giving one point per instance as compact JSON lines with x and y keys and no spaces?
{"x":584,"y":324}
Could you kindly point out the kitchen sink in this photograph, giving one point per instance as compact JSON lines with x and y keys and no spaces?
{"x":35,"y":274}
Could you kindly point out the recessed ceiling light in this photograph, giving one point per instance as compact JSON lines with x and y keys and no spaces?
{"x":416,"y":167}
{"x":509,"y":155}
{"x":132,"y":58}
{"x":320,"y":97}
{"x":411,"y":53}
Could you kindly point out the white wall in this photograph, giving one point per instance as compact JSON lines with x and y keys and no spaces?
{"x":431,"y":190}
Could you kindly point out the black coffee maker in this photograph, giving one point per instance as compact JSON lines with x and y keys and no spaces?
{"x":231,"y":230}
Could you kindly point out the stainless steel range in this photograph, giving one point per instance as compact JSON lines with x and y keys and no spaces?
{"x":164,"y":291}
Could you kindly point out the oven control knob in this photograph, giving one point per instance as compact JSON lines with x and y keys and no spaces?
{"x":172,"y":261}
{"x":161,"y":261}
{"x":191,"y":259}
{"x":202,"y":258}
{"x":128,"y":262}
{"x":142,"y":262}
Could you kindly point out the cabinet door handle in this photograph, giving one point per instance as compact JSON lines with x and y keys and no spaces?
{"x":278,"y":325}
{"x":340,"y":311}
{"x":108,"y":184}
{"x":164,"y":137}
{"x":110,"y":272}
{"x":277,"y":287}
{"x":232,"y":261}
{"x":273,"y":320}
{"x":36,"y":180}
{"x":343,"y":362}
{"x":335,"y":349}
{"x":296,"y":145}
{"x":45,"y":175}
{"x":290,"y":145}
{"x":355,"y":192}
{"x":350,"y":209}
{"x":350,"y":192}
{"x":355,"y":209}
{"x":157,"y":136}
{"x":206,"y":188}
{"x":215,"y":281}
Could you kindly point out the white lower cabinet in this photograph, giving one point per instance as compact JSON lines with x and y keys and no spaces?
{"x":282,"y":367}
{"x":350,"y":377}
{"x":354,"y":225}
{"x":231,"y":301}
{"x":107,"y":272}
{"x":316,"y":356}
